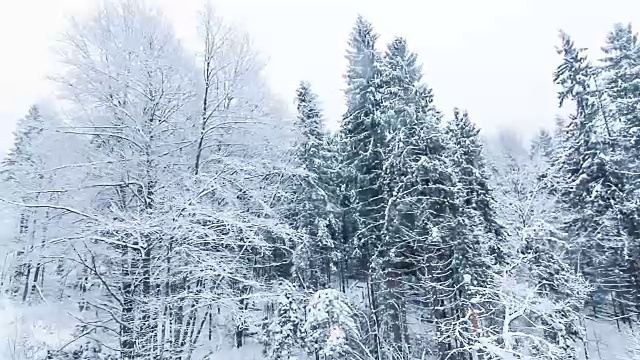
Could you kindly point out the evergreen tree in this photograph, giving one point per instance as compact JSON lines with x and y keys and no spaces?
{"x":542,"y":145}
{"x":400,"y":106}
{"x":363,"y":144}
{"x":22,"y":157}
{"x":283,"y":334}
{"x":621,"y":79}
{"x":417,"y":184}
{"x":25,"y":171}
{"x":331,"y":328}
{"x":590,"y":185}
{"x":309,"y":123}
{"x":312,"y":210}
{"x":470,"y":247}
{"x":429,"y":191}
{"x":362,"y":136}
{"x":340,"y":222}
{"x":468,"y":158}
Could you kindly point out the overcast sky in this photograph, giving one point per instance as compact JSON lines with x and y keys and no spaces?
{"x":492,"y":57}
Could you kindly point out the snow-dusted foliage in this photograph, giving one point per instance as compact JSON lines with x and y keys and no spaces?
{"x":530,"y":319}
{"x":164,"y":206}
{"x":283,"y":334}
{"x":311,"y":206}
{"x":169,"y":203}
{"x":331,"y":329}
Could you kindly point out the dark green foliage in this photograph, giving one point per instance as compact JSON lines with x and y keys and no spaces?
{"x":588,"y":165}
{"x":282,"y":337}
{"x":621,"y":84}
{"x":362,"y":144}
{"x":311,"y":209}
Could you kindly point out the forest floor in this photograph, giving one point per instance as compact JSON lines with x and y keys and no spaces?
{"x":605,"y":342}
{"x":25,"y":331}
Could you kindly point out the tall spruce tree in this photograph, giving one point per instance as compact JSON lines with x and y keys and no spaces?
{"x":590,"y":185}
{"x":311,"y":209}
{"x":23,"y":169}
{"x":363,"y":140}
{"x":473,"y":243}
{"x":468,"y":158}
{"x":362,"y":143}
{"x":282,"y":338}
{"x":428,"y":193}
{"x":621,"y":82}
{"x":400,"y":76}
{"x":25,"y":173}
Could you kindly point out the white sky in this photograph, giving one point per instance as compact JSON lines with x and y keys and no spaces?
{"x":492,"y":57}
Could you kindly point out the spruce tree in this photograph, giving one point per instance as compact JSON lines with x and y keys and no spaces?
{"x":339,"y":224}
{"x":621,"y":83}
{"x":25,"y":170}
{"x":311,"y":209}
{"x":362,"y":144}
{"x":283,"y":334}
{"x":621,"y":78}
{"x":474,"y":191}
{"x":332,"y":329}
{"x":473,"y":241}
{"x":590,"y":185}
{"x":399,"y":78}
{"x":542,"y":145}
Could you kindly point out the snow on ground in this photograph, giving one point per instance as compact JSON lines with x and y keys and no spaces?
{"x":605,"y":342}
{"x":27,"y":331}
{"x":250,"y":351}
{"x":7,"y":228}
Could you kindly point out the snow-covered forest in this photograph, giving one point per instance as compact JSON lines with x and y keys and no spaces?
{"x":165,"y":205}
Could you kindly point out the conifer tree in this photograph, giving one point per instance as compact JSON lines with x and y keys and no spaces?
{"x":399,"y":79}
{"x":362,"y":144}
{"x":468,"y":158}
{"x":542,"y":145}
{"x":472,"y":242}
{"x":25,"y":171}
{"x":312,"y":204}
{"x":621,"y":82}
{"x":590,"y":185}
{"x":283,"y":334}
{"x":332,"y":329}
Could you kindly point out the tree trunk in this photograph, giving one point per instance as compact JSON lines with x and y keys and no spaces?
{"x":615,"y":312}
{"x":373,"y":303}
{"x":240,"y":326}
{"x":29,"y":266}
{"x":127,"y":337}
{"x":394,"y":307}
{"x":148,"y":322}
{"x":27,"y":277}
